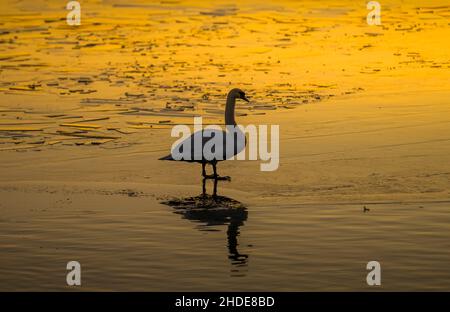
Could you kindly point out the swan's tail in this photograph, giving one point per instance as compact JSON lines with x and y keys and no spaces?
{"x":168,"y":157}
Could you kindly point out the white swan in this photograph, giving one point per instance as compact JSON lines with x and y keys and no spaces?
{"x":234,"y":136}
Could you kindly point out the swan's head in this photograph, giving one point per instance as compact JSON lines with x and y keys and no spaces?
{"x":238,"y":94}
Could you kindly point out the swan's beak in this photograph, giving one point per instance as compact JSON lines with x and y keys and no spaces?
{"x":245,"y":99}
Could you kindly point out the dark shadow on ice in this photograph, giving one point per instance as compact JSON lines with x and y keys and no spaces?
{"x":212,"y":211}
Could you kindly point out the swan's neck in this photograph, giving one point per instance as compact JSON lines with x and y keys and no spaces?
{"x":229,"y":110}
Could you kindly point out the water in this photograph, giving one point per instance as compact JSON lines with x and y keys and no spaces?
{"x":363,"y":114}
{"x":133,"y":243}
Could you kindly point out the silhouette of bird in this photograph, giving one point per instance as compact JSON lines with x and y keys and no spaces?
{"x":233,"y":134}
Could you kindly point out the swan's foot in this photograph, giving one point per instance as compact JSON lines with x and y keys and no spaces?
{"x":217,"y":177}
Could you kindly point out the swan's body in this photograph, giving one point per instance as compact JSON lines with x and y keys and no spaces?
{"x":204,"y":136}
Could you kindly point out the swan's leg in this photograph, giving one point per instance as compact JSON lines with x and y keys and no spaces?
{"x":204,"y":187}
{"x":204,"y":169}
{"x":216,"y":176}
{"x":215,"y":189}
{"x":206,"y":176}
{"x":214,"y":164}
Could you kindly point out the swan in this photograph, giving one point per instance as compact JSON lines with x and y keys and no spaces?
{"x":205,"y":135}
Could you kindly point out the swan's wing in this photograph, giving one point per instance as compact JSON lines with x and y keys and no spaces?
{"x":214,"y":145}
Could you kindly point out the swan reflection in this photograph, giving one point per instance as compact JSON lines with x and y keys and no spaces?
{"x":210,"y":211}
